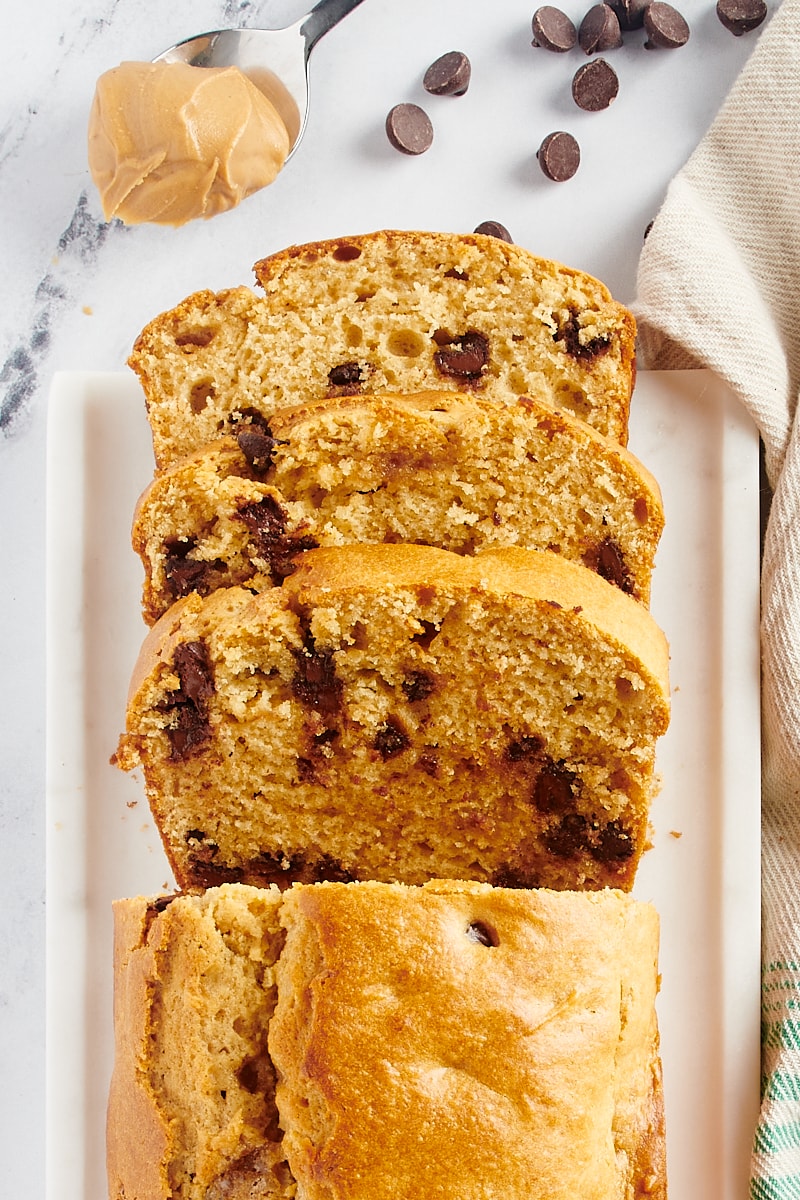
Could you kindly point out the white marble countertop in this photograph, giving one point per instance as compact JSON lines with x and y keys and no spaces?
{"x":76,"y":291}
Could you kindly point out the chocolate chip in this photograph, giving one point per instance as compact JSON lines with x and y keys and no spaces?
{"x":595,"y":85}
{"x":348,"y":378}
{"x":417,"y":685}
{"x":553,"y":30}
{"x":464,"y":357}
{"x":569,"y":336}
{"x":189,"y":704}
{"x":607,"y":560}
{"x":409,"y":129}
{"x":559,"y":156}
{"x":569,"y":837}
{"x":315,"y":682}
{"x":525,"y":748}
{"x":599,"y":30}
{"x":183,"y":574}
{"x":258,"y":447}
{"x":508,"y":876}
{"x":279,"y":868}
{"x":266,"y":521}
{"x":552,"y":792}
{"x":192,"y":666}
{"x":193,"y":339}
{"x":740,"y":16}
{"x":208,"y":875}
{"x":203,"y":850}
{"x":630,"y":13}
{"x":327,"y":869}
{"x":614,"y":844}
{"x":485,"y":935}
{"x":242,"y":418}
{"x":666,"y":29}
{"x":306,"y":770}
{"x":494,"y":229}
{"x":344,"y":373}
{"x":391,"y":739}
{"x":449,"y":75}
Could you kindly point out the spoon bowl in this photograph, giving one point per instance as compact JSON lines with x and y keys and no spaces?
{"x":276,"y":60}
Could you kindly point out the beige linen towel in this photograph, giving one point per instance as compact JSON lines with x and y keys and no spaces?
{"x":719,"y":287}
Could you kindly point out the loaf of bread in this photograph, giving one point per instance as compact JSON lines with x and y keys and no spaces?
{"x":400,"y":712}
{"x":386,"y":312}
{"x":372,"y":1041}
{"x":443,"y":469}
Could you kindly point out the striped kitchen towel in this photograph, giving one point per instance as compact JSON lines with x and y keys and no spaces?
{"x":719,"y":287}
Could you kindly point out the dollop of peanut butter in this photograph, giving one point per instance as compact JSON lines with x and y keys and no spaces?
{"x":169,"y":142}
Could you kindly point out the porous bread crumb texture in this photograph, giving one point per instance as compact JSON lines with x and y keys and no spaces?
{"x":387,"y":312}
{"x":442,"y":469}
{"x":196,"y":985}
{"x":397,"y":732}
{"x":464,"y":1031}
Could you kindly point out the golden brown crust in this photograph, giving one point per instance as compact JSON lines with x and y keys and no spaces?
{"x":389,"y":316}
{"x":508,"y":571}
{"x":380,"y":243}
{"x":478,"y":1036}
{"x":440,"y":468}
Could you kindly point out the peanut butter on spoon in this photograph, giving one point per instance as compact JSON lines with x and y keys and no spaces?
{"x":169,"y":142}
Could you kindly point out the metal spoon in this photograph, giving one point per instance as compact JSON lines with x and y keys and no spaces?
{"x":276,"y":60}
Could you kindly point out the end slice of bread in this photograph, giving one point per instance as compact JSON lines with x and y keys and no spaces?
{"x":391,"y":311}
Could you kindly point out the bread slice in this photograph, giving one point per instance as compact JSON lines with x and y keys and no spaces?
{"x":452,"y":1040}
{"x":441,"y":468}
{"x":402,"y":712}
{"x":387,"y":312}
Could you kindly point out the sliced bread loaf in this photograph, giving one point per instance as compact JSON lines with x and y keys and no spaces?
{"x":401,"y":712}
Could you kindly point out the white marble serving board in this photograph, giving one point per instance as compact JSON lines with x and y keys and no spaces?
{"x":703,"y":872}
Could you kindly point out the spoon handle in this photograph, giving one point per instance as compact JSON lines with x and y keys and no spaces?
{"x":324,"y":16}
